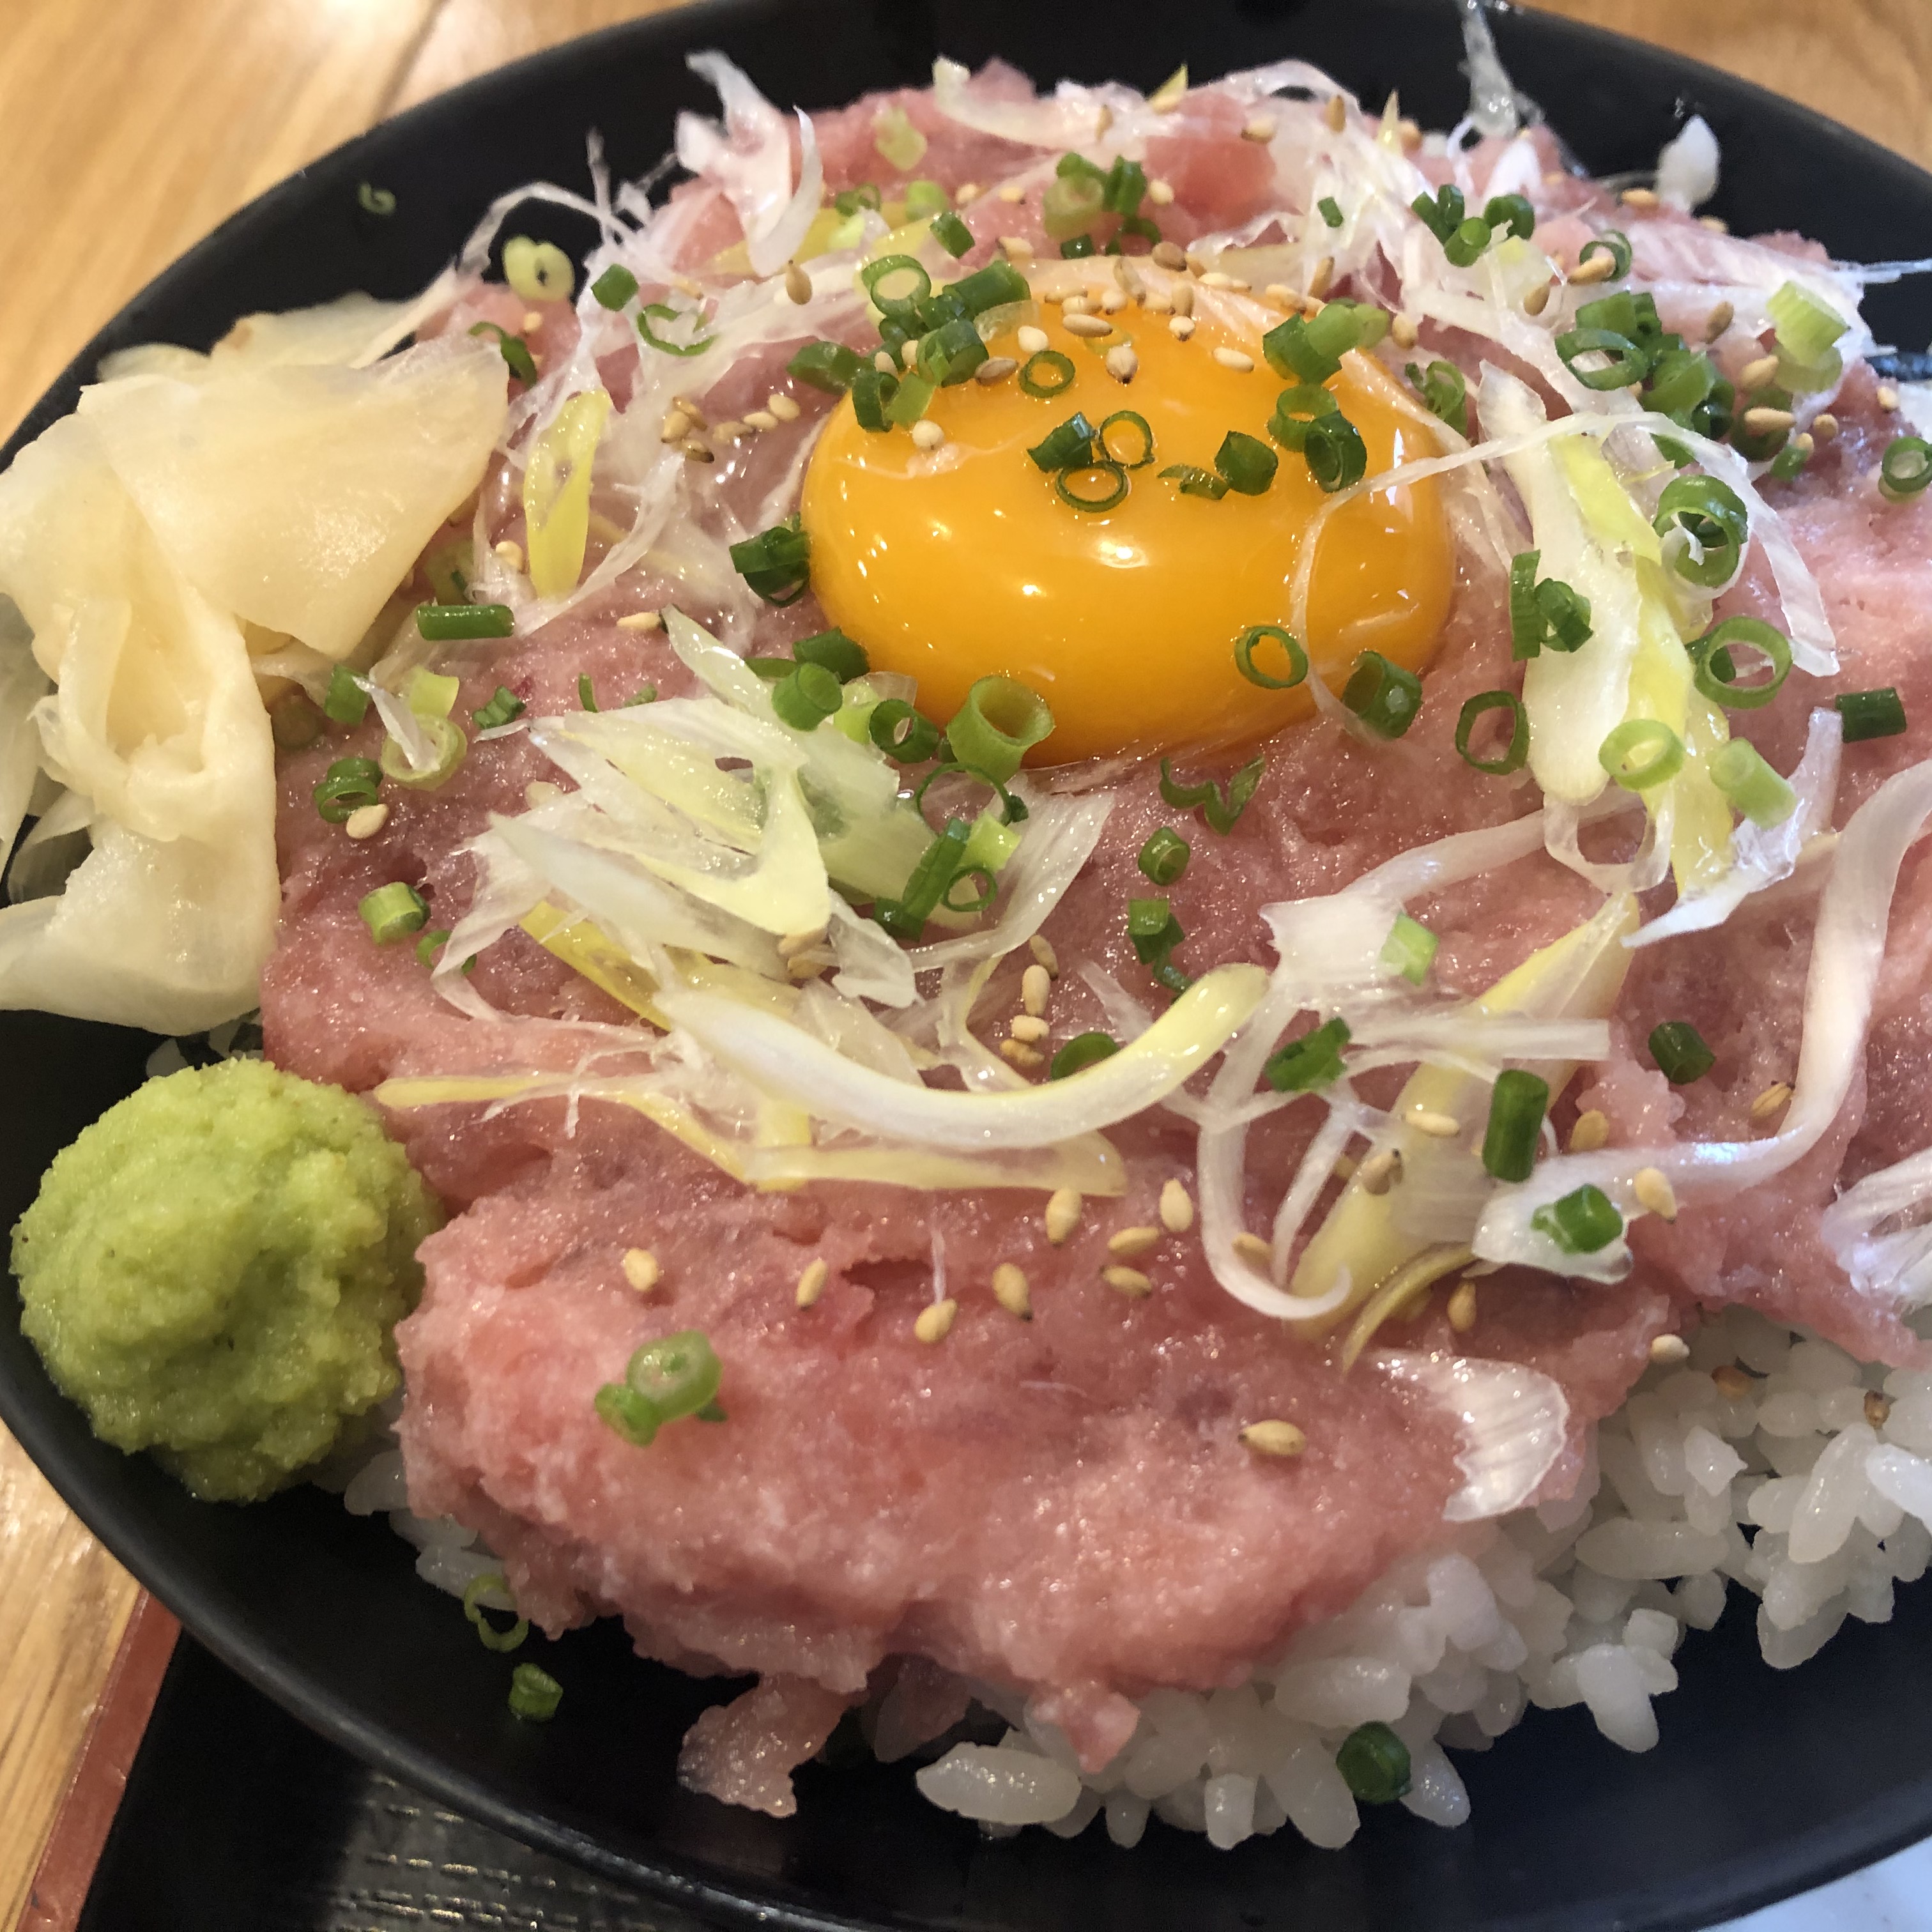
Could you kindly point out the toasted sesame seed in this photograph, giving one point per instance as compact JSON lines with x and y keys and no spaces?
{"x":1380,"y":1171}
{"x":532,"y":320}
{"x":676,"y":426}
{"x":1756,"y":373}
{"x":1075,"y":305}
{"x":761,"y":419}
{"x":511,"y":552}
{"x":1325,"y":273}
{"x":640,"y":620}
{"x":966,"y":192}
{"x":1537,"y":299}
{"x":1127,"y":1242}
{"x":1802,"y":442}
{"x":811,"y":1283}
{"x":1011,"y":193}
{"x":1161,"y":192}
{"x":1732,"y":1381}
{"x":1113,"y":301}
{"x":1282,"y":295}
{"x":1335,"y":113}
{"x":1273,"y":1437}
{"x":1041,"y":947}
{"x":1764,"y":420}
{"x":1215,"y":279}
{"x":1592,"y":1130}
{"x":1182,"y":296}
{"x":690,"y":410}
{"x":1720,"y":319}
{"x":1177,"y":1208}
{"x":1028,"y":1027}
{"x":791,"y":944}
{"x":1887,"y":397}
{"x":1772,"y":1102}
{"x":1010,"y":1290}
{"x":1236,"y":359}
{"x":1403,"y":332}
{"x":1669,"y":1349}
{"x":1180,"y":326}
{"x":729,"y":430}
{"x":927,"y":434}
{"x":1260,"y":129}
{"x":641,"y":1270}
{"x":1128,"y":276}
{"x":782,"y":406}
{"x":886,"y":362}
{"x":1017,"y":1053}
{"x":540,"y":791}
{"x":1121,"y":363}
{"x":1254,"y":1250}
{"x":1128,"y":1281}
{"x":686,"y":285}
{"x":1091,"y":326}
{"x":1716,"y":223}
{"x":797,"y":285}
{"x":1651,"y":1186}
{"x":697,"y":450}
{"x":1197,"y":262}
{"x":935,"y":1322}
{"x":1063,"y":1213}
{"x":1598,"y":268}
{"x":366,"y":820}
{"x":1824,"y":426}
{"x":1409,"y":134}
{"x":994,"y":369}
{"x":1102,"y":121}
{"x":1016,"y":248}
{"x":1167,"y":255}
{"x":1639,"y":198}
{"x":1035,"y":984}
{"x":1461,"y":1309}
{"x":1438,"y":1126}
{"x":1031,"y":341}
{"x":1878,"y":1409}
{"x":804,"y":966}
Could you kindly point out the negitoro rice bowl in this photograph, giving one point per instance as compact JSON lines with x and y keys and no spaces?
{"x":1354,"y":1184}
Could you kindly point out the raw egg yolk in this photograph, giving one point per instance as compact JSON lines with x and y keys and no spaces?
{"x":952,"y":565}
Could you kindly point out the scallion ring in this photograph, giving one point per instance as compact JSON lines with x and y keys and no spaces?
{"x":1137,"y":425}
{"x":1628,"y":363}
{"x":1043,"y":376}
{"x":1108,"y":487}
{"x":1906,"y":468}
{"x":1512,"y":212}
{"x":665,"y":312}
{"x":348,"y":785}
{"x":1337,"y":456}
{"x":393,"y":911}
{"x":1001,"y":721}
{"x":882,"y":281}
{"x":1642,"y":752}
{"x":902,"y":732}
{"x":446,"y":741}
{"x":1613,"y":242}
{"x":515,"y":350}
{"x":1765,"y":797}
{"x":1247,"y":462}
{"x":988,"y":890}
{"x":1387,"y":697}
{"x":806,"y":697}
{"x":1295,"y":409}
{"x":1290,"y":647}
{"x":493,"y":1638}
{"x":1716,"y":671}
{"x":1196,"y":481}
{"x":1712,"y":517}
{"x":1515,"y":754}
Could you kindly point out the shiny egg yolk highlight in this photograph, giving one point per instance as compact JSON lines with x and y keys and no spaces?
{"x":953,"y":565}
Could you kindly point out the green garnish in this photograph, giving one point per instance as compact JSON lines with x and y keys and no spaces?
{"x":516,"y":351}
{"x":504,"y":706}
{"x":1717,"y":670}
{"x":1310,"y":1062}
{"x":442,"y":623}
{"x":348,"y":785}
{"x":1906,"y":468}
{"x":614,"y":287}
{"x":1385,"y":696}
{"x":776,"y":564}
{"x":1740,"y":772}
{"x":535,"y":1694}
{"x":1083,"y":1051}
{"x":1680,"y":1052}
{"x":1518,"y":1102}
{"x":1044,"y":375}
{"x":1066,"y":446}
{"x":951,"y":234}
{"x":1247,"y":462}
{"x":829,"y":366}
{"x":1516,"y":755}
{"x":1000,"y":722}
{"x":1164,"y":857}
{"x":1410,"y":948}
{"x":1582,"y":1222}
{"x":1869,"y":714}
{"x":806,"y":696}
{"x":1219,"y":807}
{"x":1549,"y":615}
{"x":492,"y":1638}
{"x":391,"y":911}
{"x":1642,"y":752}
{"x":1374,"y":1763}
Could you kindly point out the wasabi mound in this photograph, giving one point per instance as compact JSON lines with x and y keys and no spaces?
{"x":213,"y":1269}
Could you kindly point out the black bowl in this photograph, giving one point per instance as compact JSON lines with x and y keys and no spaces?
{"x":1762,"y":1784}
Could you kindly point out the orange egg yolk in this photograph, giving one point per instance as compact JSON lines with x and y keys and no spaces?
{"x":950,"y":565}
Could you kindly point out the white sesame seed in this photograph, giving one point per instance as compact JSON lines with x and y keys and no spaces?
{"x":791,"y":944}
{"x":1182,"y":296}
{"x":886,"y":362}
{"x":994,"y":369}
{"x":1215,"y":279}
{"x":1010,"y":1291}
{"x":366,"y":820}
{"x":1029,"y":1028}
{"x":1121,"y":362}
{"x":540,"y":791}
{"x":1102,"y":121}
{"x":1036,"y":987}
{"x":729,"y":430}
{"x":1260,"y":129}
{"x":1598,"y":268}
{"x":1639,"y":198}
{"x":1167,"y":255}
{"x":1403,"y":331}
{"x":1160,"y":193}
{"x":511,"y":552}
{"x":1651,"y":1186}
{"x":641,"y":1270}
{"x":1113,"y":301}
{"x":1031,"y":341}
{"x":1731,"y":1381}
{"x":798,"y":285}
{"x":811,"y":1283}
{"x":1887,"y":397}
{"x":676,"y":426}
{"x":1130,"y":1241}
{"x":1537,"y":299}
{"x":1335,"y":113}
{"x":1323,"y":274}
{"x":1075,"y":305}
{"x":640,"y":620}
{"x":1177,"y":1208}
{"x":1199,"y":263}
{"x":1017,"y":1053}
{"x":1011,"y":193}
{"x":532,"y":320}
{"x":1438,"y":1126}
{"x":1041,"y":947}
{"x":1756,"y":373}
{"x":1763,"y":421}
{"x":1716,"y":223}
{"x":1236,"y":359}
{"x":1274,"y":1437}
{"x":1380,"y":1171}
{"x":1824,"y":426}
{"x":690,"y":411}
{"x":1720,"y":319}
{"x":761,"y":419}
{"x":1063,"y":1213}
{"x":1670,"y":1348}
{"x":1091,"y":326}
{"x":1016,"y":248}
{"x":1254,"y":1250}
{"x":927,"y":434}
{"x":1878,"y":1409}
{"x":1592,"y":1131}
{"x":1773,"y":1100}
{"x":965,"y":193}
{"x":935,"y":1321}
{"x":1129,"y":1282}
{"x":1462,"y":1307}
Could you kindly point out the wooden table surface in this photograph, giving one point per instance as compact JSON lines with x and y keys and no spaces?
{"x":128,"y":128}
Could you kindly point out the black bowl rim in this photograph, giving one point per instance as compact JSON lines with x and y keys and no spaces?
{"x":1734,"y":1888}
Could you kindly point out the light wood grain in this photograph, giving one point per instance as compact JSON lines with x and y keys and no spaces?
{"x":128,"y":128}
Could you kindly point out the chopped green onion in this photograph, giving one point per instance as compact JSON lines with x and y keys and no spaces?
{"x":1311,"y":1061}
{"x":677,"y":1375}
{"x":1471,"y":237}
{"x":1869,"y":714}
{"x":910,"y":396}
{"x":771,"y":669}
{"x":902,"y":732}
{"x":989,"y":845}
{"x":1906,"y":468}
{"x":829,"y":366}
{"x":941,"y":306}
{"x":1330,"y":210}
{"x":905,"y":917}
{"x":836,"y":652}
{"x":587,"y":692}
{"x":1294,"y":410}
{"x":1614,"y":243}
{"x":446,"y":741}
{"x":1044,"y":375}
{"x":1627,"y":362}
{"x":663,"y":312}
{"x":1138,"y":425}
{"x":1518,"y":1102}
{"x":391,"y":911}
{"x":1310,"y":348}
{"x":1375,"y":1764}
{"x":1091,"y":486}
{"x":1441,"y":213}
{"x":504,"y":706}
{"x":1001,"y":721}
{"x":1789,"y":460}
{"x":806,"y":697}
{"x":1068,"y":446}
{"x":1076,"y":247}
{"x":1630,"y":312}
{"x":1219,"y":809}
{"x":1126,"y":186}
{"x":1244,"y":657}
{"x":1640,"y":753}
{"x":1759,"y":446}
{"x":1548,"y":614}
{"x":1195,"y":482}
{"x":345,"y":701}
{"x":985,"y":887}
{"x":515,"y":350}
{"x":1071,"y":204}
{"x":1333,"y":448}
{"x":950,"y":353}
{"x":348,"y":785}
{"x":493,"y":1638}
{"x":1516,"y":755}
{"x":429,"y":696}
{"x":1083,"y":1051}
{"x":897,"y":285}
{"x":851,"y":201}
{"x":442,"y":623}
{"x":1582,"y":1222}
{"x":1246,"y":462}
{"x":1680,"y":1052}
{"x":619,"y":1407}
{"x":1410,"y":948}
{"x":1512,"y":212}
{"x":996,"y":286}
{"x":431,"y":944}
{"x":925,"y":197}
{"x":534,"y":1694}
{"x":1385,"y":696}
{"x":1806,"y":326}
{"x":1165,"y":856}
{"x":373,"y":200}
{"x":1740,"y":772}
{"x":1716,"y":671}
{"x":1712,"y":517}
{"x":614,"y":287}
{"x":776,"y":563}
{"x":898,"y":142}
{"x":951,"y":234}
{"x":1679,"y":380}
{"x":1444,"y":390}
{"x":1153,"y":930}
